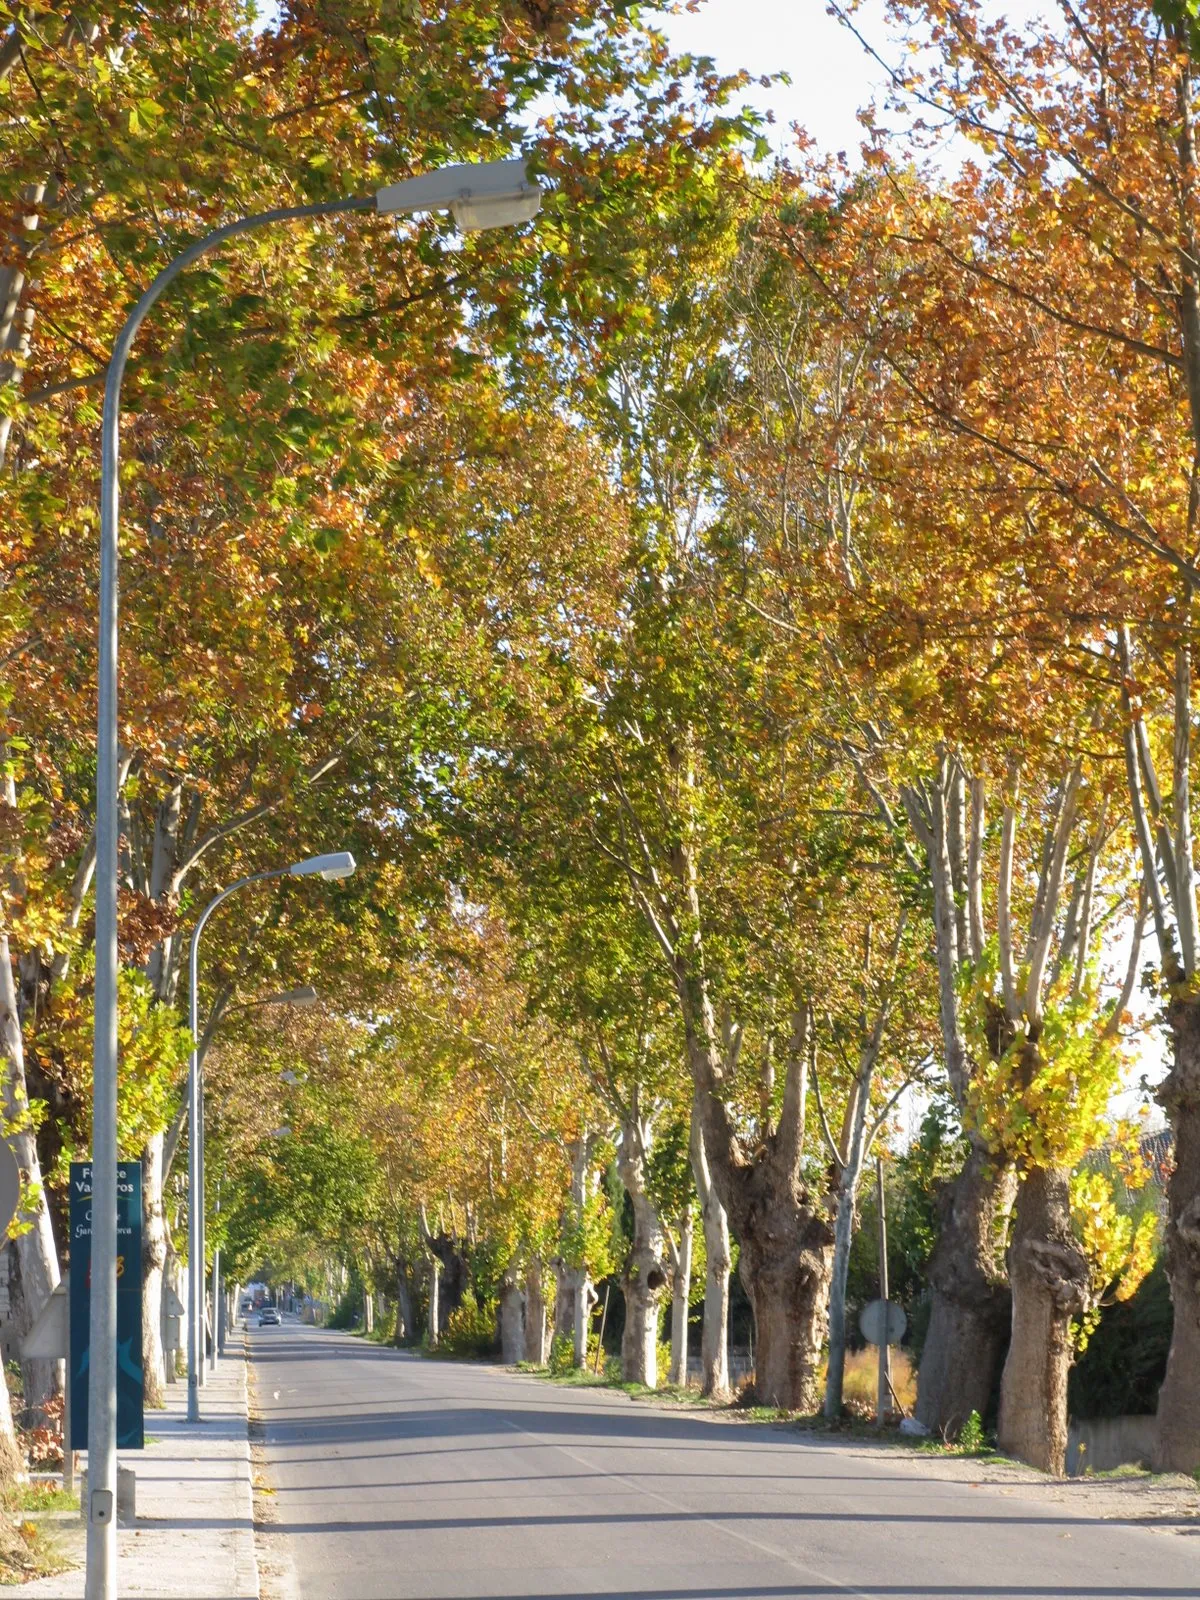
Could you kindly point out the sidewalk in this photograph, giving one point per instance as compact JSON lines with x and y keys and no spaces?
{"x":194,"y":1537}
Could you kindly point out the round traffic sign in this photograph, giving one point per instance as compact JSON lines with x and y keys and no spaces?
{"x":882,"y":1318}
{"x":10,"y":1185}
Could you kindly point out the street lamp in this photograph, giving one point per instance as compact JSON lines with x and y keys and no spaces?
{"x":330,"y":868}
{"x":484,"y":195}
{"x":338,"y":865}
{"x":307,"y":996}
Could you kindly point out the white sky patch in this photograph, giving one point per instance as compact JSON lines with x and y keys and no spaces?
{"x":832,"y":75}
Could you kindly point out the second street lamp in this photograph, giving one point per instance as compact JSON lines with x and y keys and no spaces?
{"x":329,"y":867}
{"x":483,"y":195}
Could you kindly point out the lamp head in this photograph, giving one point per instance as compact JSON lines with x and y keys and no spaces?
{"x":307,"y":996}
{"x":338,"y":865}
{"x":481,"y":194}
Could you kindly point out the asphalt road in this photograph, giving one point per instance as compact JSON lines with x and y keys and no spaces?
{"x":398,"y":1477}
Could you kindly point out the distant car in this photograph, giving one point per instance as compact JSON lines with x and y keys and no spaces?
{"x":269,"y":1317}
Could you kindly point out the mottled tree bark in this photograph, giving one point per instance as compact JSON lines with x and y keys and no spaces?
{"x":714,"y":1339}
{"x":1179,"y":1398}
{"x":584,"y":1299}
{"x":511,"y":1317}
{"x":969,"y":1319}
{"x":535,"y":1314}
{"x":36,"y":1252}
{"x":574,"y":1295}
{"x":154,"y":1257}
{"x":435,"y":1309}
{"x":644,"y":1273}
{"x":785,"y":1267}
{"x":843,"y":1231}
{"x":159,"y":887}
{"x":1050,"y":1285}
{"x":406,"y":1322}
{"x":783,"y":1228}
{"x":681,"y":1294}
{"x":971,"y":1303}
{"x":11,"y":1459}
{"x":564,"y":1300}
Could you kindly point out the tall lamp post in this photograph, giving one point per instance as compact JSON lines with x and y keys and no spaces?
{"x":481,"y":195}
{"x":329,"y":867}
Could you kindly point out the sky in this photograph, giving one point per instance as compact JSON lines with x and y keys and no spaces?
{"x":831,"y":74}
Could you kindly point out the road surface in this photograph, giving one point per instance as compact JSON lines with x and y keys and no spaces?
{"x":399,"y":1477}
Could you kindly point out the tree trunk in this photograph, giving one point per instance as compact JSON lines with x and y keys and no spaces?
{"x":454,"y":1271}
{"x":714,"y":1339}
{"x":573,"y":1287}
{"x":681,"y":1303}
{"x":644,"y":1274}
{"x":1179,"y":1398}
{"x":368,"y":1311}
{"x":36,"y":1252}
{"x":154,"y":1258}
{"x":512,"y":1319}
{"x":972,"y":1305}
{"x":585,"y":1299}
{"x":786,"y":1250}
{"x":406,"y":1326}
{"x":176,"y":1274}
{"x":842,"y":1234}
{"x":854,"y":1143}
{"x":1050,"y":1285}
{"x":564,"y":1300}
{"x":642,"y":1284}
{"x":535,"y":1314}
{"x":435,"y":1319}
{"x":154,"y":1242}
{"x":786,"y":1275}
{"x":783,"y":1227}
{"x":11,"y":1459}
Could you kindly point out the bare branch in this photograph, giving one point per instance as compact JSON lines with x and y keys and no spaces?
{"x":1004,"y":892}
{"x":1113,"y":1025}
{"x":835,"y":1154}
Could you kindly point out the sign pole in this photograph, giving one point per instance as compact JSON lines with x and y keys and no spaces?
{"x":68,"y":1441}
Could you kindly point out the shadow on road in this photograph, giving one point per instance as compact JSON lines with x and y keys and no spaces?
{"x":901,"y":1517}
{"x":918,"y":1591}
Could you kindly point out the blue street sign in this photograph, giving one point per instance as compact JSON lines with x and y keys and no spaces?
{"x":130,"y":1424}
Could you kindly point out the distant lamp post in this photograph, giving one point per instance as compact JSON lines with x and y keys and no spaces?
{"x":304,"y":996}
{"x":481,"y":195}
{"x":329,"y":867}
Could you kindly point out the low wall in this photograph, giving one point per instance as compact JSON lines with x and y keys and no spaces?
{"x":1106,"y":1442}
